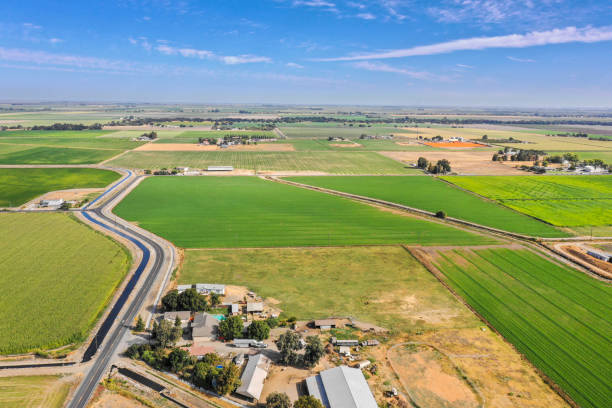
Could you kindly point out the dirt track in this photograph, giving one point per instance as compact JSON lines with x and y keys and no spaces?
{"x":188,"y":147}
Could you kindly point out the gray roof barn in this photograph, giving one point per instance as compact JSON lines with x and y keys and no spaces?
{"x":341,"y":387}
{"x":255,"y":307}
{"x":207,"y":288}
{"x":253,"y":376}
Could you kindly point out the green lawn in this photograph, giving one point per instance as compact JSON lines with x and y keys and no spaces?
{"x":43,"y":391}
{"x":192,"y":136}
{"x":327,"y":162}
{"x":56,"y":276}
{"x":18,"y":186}
{"x":198,"y":212}
{"x":558,"y":317}
{"x":431,"y":194}
{"x":364,"y":282}
{"x":570,"y":201}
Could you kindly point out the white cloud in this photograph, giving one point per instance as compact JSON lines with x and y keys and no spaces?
{"x":209,"y":55}
{"x":493,"y":11}
{"x":55,"y":40}
{"x":31,"y":26}
{"x":520,"y":59}
{"x":382,"y":67}
{"x":294,"y":65}
{"x":534,"y":38}
{"x":465,"y":66}
{"x":366,"y":16}
{"x":353,"y":4}
{"x":314,"y":3}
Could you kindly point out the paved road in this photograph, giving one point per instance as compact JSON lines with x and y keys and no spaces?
{"x":105,"y":343}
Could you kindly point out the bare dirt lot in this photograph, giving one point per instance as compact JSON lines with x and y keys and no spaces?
{"x":464,"y":162}
{"x":452,"y":145}
{"x":186,"y":147}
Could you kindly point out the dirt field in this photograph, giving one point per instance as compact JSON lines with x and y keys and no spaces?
{"x":185,"y":147}
{"x":465,"y":162}
{"x":452,"y":145}
{"x":353,"y":145}
{"x":431,"y":377}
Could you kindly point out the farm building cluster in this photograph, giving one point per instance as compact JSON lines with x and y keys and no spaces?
{"x":339,"y":380}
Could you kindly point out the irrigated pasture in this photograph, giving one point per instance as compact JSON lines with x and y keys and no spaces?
{"x":363,"y":145}
{"x":558,"y":317}
{"x":62,"y":270}
{"x":198,"y":212}
{"x":26,"y":154}
{"x":313,"y":283}
{"x":325,"y":162}
{"x":192,"y":136}
{"x":560,"y":200}
{"x":323,"y":132}
{"x":44,"y":391}
{"x":433,"y":195}
{"x":18,"y":186}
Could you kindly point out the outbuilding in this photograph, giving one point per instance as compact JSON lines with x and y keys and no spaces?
{"x":208,"y":288}
{"x":253,"y":377}
{"x":184,"y":316}
{"x":325,"y":324}
{"x":255,"y":307}
{"x":221,"y":168}
{"x":341,"y":387}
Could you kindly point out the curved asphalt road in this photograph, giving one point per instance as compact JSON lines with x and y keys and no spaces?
{"x":106,"y":351}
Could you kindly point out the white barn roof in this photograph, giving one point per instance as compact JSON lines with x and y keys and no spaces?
{"x":253,"y":376}
{"x":341,"y":387}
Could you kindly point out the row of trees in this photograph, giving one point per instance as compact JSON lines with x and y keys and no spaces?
{"x":68,"y":126}
{"x":233,"y":328}
{"x":281,"y":400}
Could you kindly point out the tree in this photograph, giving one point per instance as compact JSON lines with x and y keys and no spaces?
{"x":140,"y":325}
{"x":278,"y":400}
{"x":178,"y":359}
{"x":203,"y":374}
{"x":272,"y":322}
{"x":307,"y":401}
{"x":170,"y":301}
{"x":190,"y":299}
{"x":485,"y":137}
{"x":258,"y":330}
{"x":441,"y":214}
{"x":495,"y":157}
{"x":288,"y":343}
{"x":314,"y":351}
{"x":422,"y":163}
{"x":231,"y":328}
{"x":445,"y":164}
{"x":166,"y":333}
{"x":215,"y":299}
{"x":228,"y":379}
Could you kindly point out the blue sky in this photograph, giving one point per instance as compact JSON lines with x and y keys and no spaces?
{"x":553,"y":53}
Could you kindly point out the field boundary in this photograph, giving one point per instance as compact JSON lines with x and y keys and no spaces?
{"x":416,"y":253}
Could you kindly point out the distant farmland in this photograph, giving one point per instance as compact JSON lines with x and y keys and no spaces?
{"x":24,"y":154}
{"x":56,"y":275}
{"x":559,"y":318}
{"x":205,"y":212}
{"x":327,"y":162}
{"x":571,"y":201}
{"x":18,"y":186}
{"x":430,"y":194}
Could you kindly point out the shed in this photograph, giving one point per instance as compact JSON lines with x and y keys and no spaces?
{"x":182,"y":288}
{"x":255,"y":307}
{"x":599,"y":256}
{"x":325,"y":324}
{"x":363,"y":364}
{"x":341,"y":387}
{"x":253,"y":377}
{"x":345,"y":350}
{"x":204,"y":327}
{"x":51,"y":203}
{"x":350,"y":343}
{"x":234,"y":309}
{"x":220,"y":168}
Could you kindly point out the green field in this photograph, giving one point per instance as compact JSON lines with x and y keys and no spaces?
{"x":44,"y":391}
{"x":64,"y":272}
{"x":327,"y":162}
{"x":431,"y":194}
{"x":322,"y":282}
{"x":606,"y":156}
{"x":205,"y":212}
{"x":354,"y":145}
{"x":25,"y":154}
{"x":18,"y":186}
{"x":558,"y":317}
{"x":323,"y":132}
{"x":570,"y":201}
{"x":192,"y":136}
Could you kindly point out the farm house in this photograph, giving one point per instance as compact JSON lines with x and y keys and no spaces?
{"x":341,"y":387}
{"x":204,"y":327}
{"x":184,"y":316}
{"x":208,"y":288}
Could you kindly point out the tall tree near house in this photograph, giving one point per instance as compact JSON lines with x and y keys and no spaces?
{"x":278,"y":400}
{"x":288,"y":343}
{"x":258,"y":330}
{"x":231,"y":328}
{"x":228,"y":379}
{"x":314,"y":351}
{"x":307,"y":401}
{"x":140,"y":325}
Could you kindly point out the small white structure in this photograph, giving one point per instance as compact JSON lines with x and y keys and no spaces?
{"x":234,"y":309}
{"x":363,"y":364}
{"x":253,"y":377}
{"x":345,"y":351}
{"x":208,"y":288}
{"x":182,"y":288}
{"x":51,"y":203}
{"x":221,"y":168}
